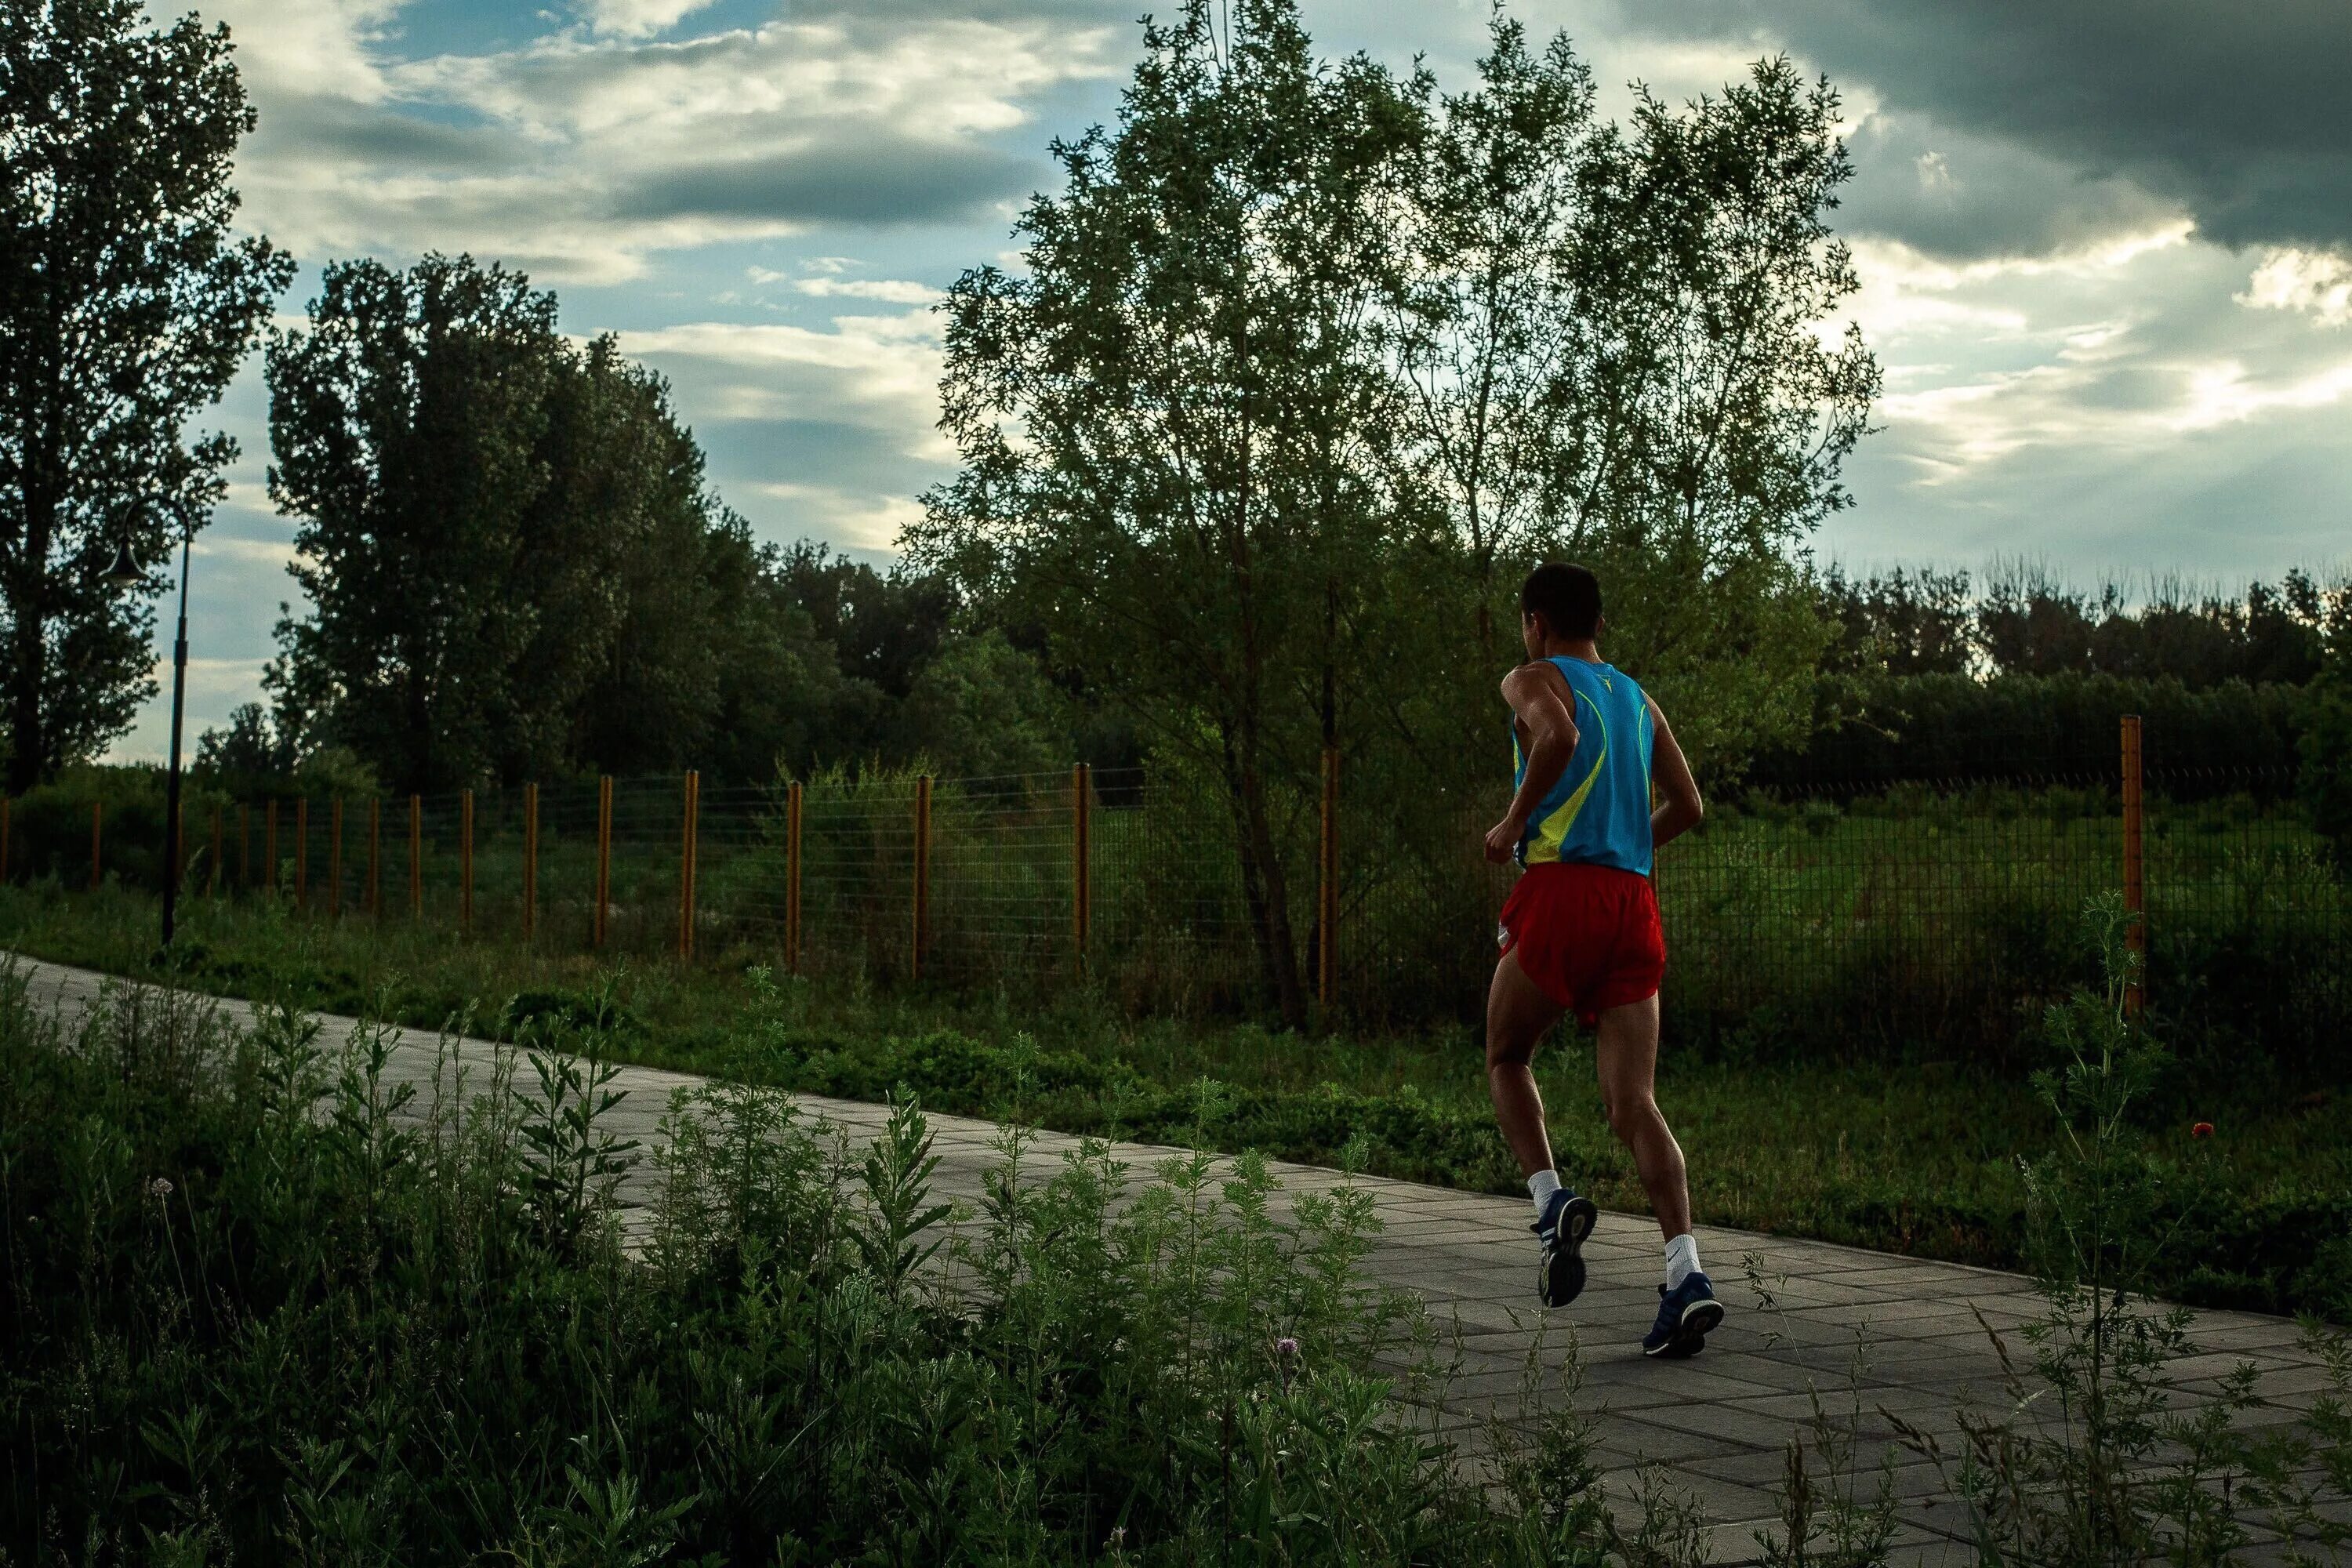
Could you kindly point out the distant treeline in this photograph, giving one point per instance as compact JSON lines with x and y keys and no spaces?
{"x":1930,"y":676}
{"x":2024,"y":620}
{"x":1875,"y":729}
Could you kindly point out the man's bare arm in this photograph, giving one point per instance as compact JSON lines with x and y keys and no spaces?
{"x":1539,"y":696}
{"x":1679,"y":807}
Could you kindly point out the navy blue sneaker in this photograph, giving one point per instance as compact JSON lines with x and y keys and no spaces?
{"x":1686,"y":1315}
{"x":1566,"y":1220}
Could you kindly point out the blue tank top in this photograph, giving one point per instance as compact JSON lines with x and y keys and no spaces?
{"x":1599,"y":812}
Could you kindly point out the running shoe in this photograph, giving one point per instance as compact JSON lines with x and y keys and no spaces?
{"x":1686,"y":1315}
{"x":1566,"y":1220}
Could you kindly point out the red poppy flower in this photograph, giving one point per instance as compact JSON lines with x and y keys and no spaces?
{"x":2201,"y":1130}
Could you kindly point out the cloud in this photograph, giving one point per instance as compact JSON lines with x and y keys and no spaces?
{"x":639,"y":18}
{"x":581,"y":155}
{"x":317,"y":49}
{"x":866,"y":181}
{"x":2237,"y":114}
{"x":2319,"y":285}
{"x":1961,"y":194}
{"x":2121,"y":408}
{"x":822,"y":433}
{"x":877,"y":372}
{"x":890,"y":291}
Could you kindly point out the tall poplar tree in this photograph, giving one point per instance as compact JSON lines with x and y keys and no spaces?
{"x":126,"y":304}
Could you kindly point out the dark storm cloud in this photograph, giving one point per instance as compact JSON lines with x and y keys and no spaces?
{"x":879,"y":181}
{"x":1957,"y":194}
{"x":2239,"y":112}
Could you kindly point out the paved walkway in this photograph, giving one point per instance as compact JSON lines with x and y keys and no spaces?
{"x":1718,"y":1423}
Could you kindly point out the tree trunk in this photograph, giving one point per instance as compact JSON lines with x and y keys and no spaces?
{"x":1265,"y":889}
{"x":27,"y":738}
{"x":24,"y":729}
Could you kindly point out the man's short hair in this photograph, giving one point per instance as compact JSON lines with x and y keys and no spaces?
{"x":1568,"y":598}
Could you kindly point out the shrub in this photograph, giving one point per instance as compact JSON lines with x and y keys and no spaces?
{"x":267,"y":1303}
{"x":2326,"y":755}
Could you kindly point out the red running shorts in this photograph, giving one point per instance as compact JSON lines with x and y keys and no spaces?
{"x":1587,"y":935}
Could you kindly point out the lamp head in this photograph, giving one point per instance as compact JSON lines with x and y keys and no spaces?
{"x":124,"y":574}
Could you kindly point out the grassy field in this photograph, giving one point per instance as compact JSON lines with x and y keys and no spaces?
{"x":1916,"y":1156}
{"x":1905,"y":923}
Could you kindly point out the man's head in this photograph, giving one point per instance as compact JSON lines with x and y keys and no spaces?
{"x":1558,"y":601}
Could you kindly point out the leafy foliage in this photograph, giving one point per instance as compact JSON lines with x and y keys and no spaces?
{"x":126,"y":301}
{"x":512,"y":565}
{"x":1305,"y":369}
{"x":2094,"y":1460}
{"x":2326,"y":750}
{"x":270,"y":1299}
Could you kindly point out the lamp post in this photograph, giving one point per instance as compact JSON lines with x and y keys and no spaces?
{"x":125,"y":575}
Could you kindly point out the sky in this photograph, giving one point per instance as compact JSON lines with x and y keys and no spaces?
{"x":2105,"y":247}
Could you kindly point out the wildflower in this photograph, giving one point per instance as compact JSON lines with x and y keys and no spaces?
{"x":2201,"y":1130}
{"x":160,"y":1188}
{"x":1289,"y":1346}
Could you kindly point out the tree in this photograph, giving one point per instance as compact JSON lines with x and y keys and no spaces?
{"x":1905,"y":623}
{"x":408,"y":424}
{"x":2325,"y":782}
{"x":514,"y":568}
{"x":1493,"y":324}
{"x":1163,"y":422}
{"x":1720,"y":414}
{"x":126,"y":304}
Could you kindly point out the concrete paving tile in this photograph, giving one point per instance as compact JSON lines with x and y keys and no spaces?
{"x":1630,"y":1441}
{"x":1729,"y":1422}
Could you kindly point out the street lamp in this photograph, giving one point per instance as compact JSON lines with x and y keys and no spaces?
{"x":124,"y":576}
{"x":171,"y":787}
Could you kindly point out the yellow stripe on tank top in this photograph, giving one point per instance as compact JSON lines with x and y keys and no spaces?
{"x":1553,"y":832}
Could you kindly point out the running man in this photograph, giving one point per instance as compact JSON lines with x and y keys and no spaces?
{"x":1579,"y":933}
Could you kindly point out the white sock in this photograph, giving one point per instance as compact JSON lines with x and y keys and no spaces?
{"x":1682,"y":1259}
{"x":1540,"y":1187}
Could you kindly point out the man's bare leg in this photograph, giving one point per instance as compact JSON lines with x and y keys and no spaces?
{"x":1627,"y":1055}
{"x":1518,"y":1016}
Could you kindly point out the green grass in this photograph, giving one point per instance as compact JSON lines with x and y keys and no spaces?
{"x":1916,"y":1157}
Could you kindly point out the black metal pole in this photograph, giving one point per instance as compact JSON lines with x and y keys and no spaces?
{"x":171,"y":787}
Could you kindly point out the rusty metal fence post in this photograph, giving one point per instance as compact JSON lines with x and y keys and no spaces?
{"x":2134,"y":870}
{"x":604,"y":857}
{"x":416,"y":859}
{"x":1327,"y":886}
{"x":922,"y":875}
{"x":97,"y":836}
{"x":792,"y":878}
{"x":465,"y":862}
{"x":269,"y":845}
{"x":530,"y":856}
{"x":335,"y":865}
{"x":1082,"y":793}
{"x":693,"y":803}
{"x":302,"y":853}
{"x":375,"y":859}
{"x":212,"y":867}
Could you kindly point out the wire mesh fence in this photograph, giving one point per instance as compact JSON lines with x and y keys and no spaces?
{"x":1889,"y":915}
